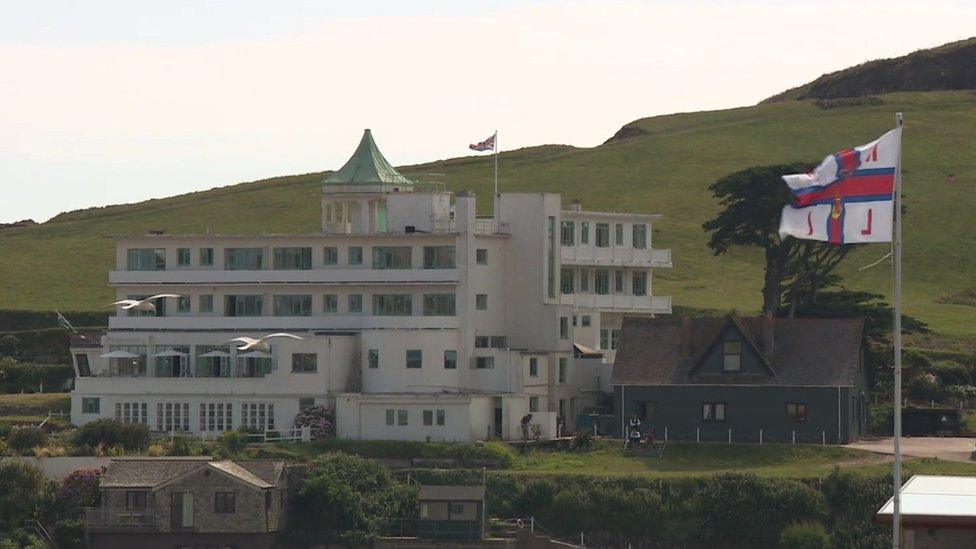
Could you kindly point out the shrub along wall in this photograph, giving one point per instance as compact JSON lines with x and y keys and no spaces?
{"x":724,"y":510}
{"x":16,"y":320}
{"x":16,"y":376}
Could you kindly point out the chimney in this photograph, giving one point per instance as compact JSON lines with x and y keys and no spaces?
{"x":685,"y":336}
{"x":576,"y":205}
{"x":768,"y":335}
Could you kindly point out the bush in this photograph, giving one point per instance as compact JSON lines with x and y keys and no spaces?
{"x":24,"y":439}
{"x":132,"y":437}
{"x":79,"y":489}
{"x":16,"y":376}
{"x":233,"y":442}
{"x":804,"y":535}
{"x":21,"y":488}
{"x":582,"y":440}
{"x":181,"y":446}
{"x":319,"y":419}
{"x":70,"y":534}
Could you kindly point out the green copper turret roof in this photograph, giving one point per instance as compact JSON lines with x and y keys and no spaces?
{"x":367,"y":167}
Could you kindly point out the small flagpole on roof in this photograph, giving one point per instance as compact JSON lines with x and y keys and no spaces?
{"x":896,"y":336}
{"x":495,"y":140}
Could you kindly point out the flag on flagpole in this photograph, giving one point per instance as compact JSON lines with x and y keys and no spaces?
{"x":486,"y":145}
{"x":847,"y":198}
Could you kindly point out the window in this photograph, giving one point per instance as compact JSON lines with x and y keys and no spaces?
{"x":441,"y":416}
{"x":354,"y":255}
{"x":224,"y":502}
{"x":439,"y":257}
{"x":390,"y":416}
{"x":84,"y":368}
{"x":330,"y":255}
{"x":450,"y":359}
{"x":639,"y":281}
{"x":91,"y":405}
{"x":243,"y":259}
{"x":393,"y":304}
{"x":584,"y":232}
{"x":566,"y":236}
{"x":183,"y":304}
{"x":639,"y":236}
{"x":132,"y":412}
{"x":732,"y":356}
{"x":602,"y":235}
{"x":172,"y":416}
{"x":439,"y":305}
{"x":257,"y":415}
{"x":206,"y":257}
{"x":183,"y":257}
{"x":713,"y":411}
{"x":206,"y":303}
{"x":481,"y":302}
{"x":586,"y":321}
{"x":402,"y":417}
{"x":584,"y":281}
{"x":135,"y":499}
{"x":481,"y":256}
{"x":428,"y":418}
{"x":373,"y":358}
{"x":609,"y":337}
{"x":563,"y":327}
{"x":145,"y":259}
{"x":415,"y":358}
{"x":484,"y":362}
{"x":210,"y":363}
{"x":293,"y":305}
{"x":551,"y":260}
{"x":533,"y":404}
{"x":796,"y":412}
{"x":563,"y":366}
{"x":302,"y":363}
{"x":455,"y":508}
{"x":481,"y":342}
{"x":330,"y":304}
{"x":566,"y":280}
{"x":618,"y":282}
{"x":392,"y":257}
{"x":292,"y":258}
{"x":534,"y":367}
{"x":497,"y":342}
{"x":646,"y":411}
{"x":355,"y":303}
{"x":215,"y":416}
{"x":243,"y":305}
{"x":602,"y":282}
{"x":618,"y":234}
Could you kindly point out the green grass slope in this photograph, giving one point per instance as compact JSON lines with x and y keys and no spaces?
{"x":950,"y":66}
{"x":666,"y":169}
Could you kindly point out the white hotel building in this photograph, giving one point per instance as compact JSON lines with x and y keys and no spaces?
{"x":419,"y":319}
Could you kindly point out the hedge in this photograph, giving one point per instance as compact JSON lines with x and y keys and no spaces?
{"x":12,"y":320}
{"x":17,"y":377}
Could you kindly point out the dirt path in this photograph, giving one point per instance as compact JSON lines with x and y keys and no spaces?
{"x":949,"y":448}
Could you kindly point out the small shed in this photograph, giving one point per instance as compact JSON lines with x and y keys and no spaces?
{"x":452,"y":512}
{"x":936,"y":512}
{"x":922,"y":421}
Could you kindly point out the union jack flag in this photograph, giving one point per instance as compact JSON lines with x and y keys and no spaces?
{"x":486,"y":145}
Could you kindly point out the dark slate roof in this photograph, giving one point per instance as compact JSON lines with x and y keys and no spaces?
{"x":805,"y":351}
{"x":451,"y":493}
{"x":367,"y":166}
{"x":152,"y":472}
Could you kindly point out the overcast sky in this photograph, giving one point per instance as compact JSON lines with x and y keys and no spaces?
{"x":104,"y":102}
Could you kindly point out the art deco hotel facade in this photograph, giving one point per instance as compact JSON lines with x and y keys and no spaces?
{"x":419,"y":320}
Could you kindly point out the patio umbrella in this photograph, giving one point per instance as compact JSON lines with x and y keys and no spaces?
{"x":215,"y":354}
{"x":120,"y":354}
{"x":170,"y":352}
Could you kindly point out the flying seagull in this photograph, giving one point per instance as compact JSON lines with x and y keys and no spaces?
{"x":141,"y":304}
{"x":251,"y":344}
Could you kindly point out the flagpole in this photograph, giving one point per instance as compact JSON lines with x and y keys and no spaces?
{"x":896,"y":336}
{"x":496,"y":163}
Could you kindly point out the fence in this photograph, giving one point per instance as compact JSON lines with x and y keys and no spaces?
{"x":295,"y":434}
{"x":760,"y":436}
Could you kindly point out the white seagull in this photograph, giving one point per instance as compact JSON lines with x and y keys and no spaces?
{"x":141,"y":304}
{"x":251,"y":344}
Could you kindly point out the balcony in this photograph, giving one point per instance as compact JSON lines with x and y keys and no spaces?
{"x":591,"y":255}
{"x":98,"y":518}
{"x":272,"y":276}
{"x":280,"y":323}
{"x":86,"y":341}
{"x":482,"y":225}
{"x":619,"y":302}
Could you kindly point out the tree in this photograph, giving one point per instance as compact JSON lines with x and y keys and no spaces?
{"x":21,"y":487}
{"x":345,"y":498}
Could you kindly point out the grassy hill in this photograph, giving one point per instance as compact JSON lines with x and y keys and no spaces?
{"x":663,"y":167}
{"x":948,"y":67}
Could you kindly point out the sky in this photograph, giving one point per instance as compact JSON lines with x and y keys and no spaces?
{"x":115,"y":101}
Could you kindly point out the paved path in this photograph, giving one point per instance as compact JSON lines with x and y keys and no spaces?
{"x":951,"y":448}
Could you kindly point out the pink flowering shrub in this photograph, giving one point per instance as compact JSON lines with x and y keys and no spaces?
{"x":319,"y":419}
{"x":80,"y":489}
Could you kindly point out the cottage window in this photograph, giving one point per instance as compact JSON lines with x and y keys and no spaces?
{"x":713,"y":411}
{"x":602,"y":235}
{"x":796,"y":412}
{"x":206,"y":257}
{"x":224,"y":502}
{"x":484,"y":362}
{"x":732,"y":351}
{"x":402,"y":417}
{"x":392,"y":304}
{"x":135,"y":499}
{"x":292,"y":258}
{"x":330,"y":255}
{"x":206,"y":303}
{"x":533,"y":404}
{"x":257,"y":415}
{"x":563,"y":327}
{"x":302,"y":363}
{"x":566,"y":230}
{"x":440,"y":416}
{"x":639,"y":286}
{"x":534,"y":367}
{"x":439,"y":257}
{"x":243,"y":305}
{"x":640,"y":236}
{"x":584,"y":232}
{"x":132,"y":412}
{"x":481,"y":256}
{"x":392,"y":257}
{"x":481,"y":302}
{"x":618,"y":230}
{"x":172,"y":416}
{"x":439,"y":305}
{"x":455,"y":508}
{"x":415,"y":358}
{"x":390,"y":416}
{"x":215,"y":416}
{"x":354,"y":255}
{"x":584,"y":281}
{"x":618,"y":282}
{"x":586,"y":321}
{"x":563,"y":367}
{"x":145,"y":259}
{"x":293,"y":305}
{"x":373,"y":358}
{"x":330,"y":304}
{"x":450,"y":359}
{"x":646,"y":411}
{"x":428,"y":418}
{"x":602,"y":282}
{"x":355,"y":303}
{"x":183,"y":257}
{"x":566,"y":280}
{"x":90,"y":405}
{"x":243,"y":259}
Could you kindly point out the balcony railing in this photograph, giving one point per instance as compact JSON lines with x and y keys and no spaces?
{"x":98,"y":517}
{"x":86,"y":341}
{"x":588,"y":254}
{"x":482,"y":225}
{"x":636,"y":303}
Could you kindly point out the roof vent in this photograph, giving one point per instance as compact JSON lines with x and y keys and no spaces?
{"x":576,"y":205}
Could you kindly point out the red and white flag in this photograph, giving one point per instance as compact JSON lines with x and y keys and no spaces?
{"x":848,"y":198}
{"x":486,"y":145}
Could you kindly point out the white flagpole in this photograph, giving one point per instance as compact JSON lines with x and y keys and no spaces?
{"x":496,"y":163}
{"x":896,"y":335}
